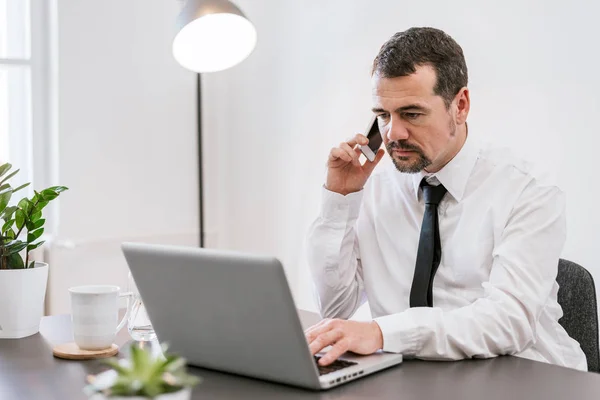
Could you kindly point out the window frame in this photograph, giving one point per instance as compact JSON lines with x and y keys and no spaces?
{"x":41,"y":167}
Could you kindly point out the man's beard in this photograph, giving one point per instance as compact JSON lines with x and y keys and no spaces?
{"x":403,"y":164}
{"x":421,"y":162}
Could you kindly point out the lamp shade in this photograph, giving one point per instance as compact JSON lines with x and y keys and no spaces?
{"x":213,"y":35}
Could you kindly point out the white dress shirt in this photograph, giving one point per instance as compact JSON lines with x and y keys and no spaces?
{"x":502,"y":231}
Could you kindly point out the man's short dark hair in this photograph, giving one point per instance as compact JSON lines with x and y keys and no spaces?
{"x":405,"y":51}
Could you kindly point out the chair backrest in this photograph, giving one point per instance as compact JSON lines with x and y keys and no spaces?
{"x":577,"y":297}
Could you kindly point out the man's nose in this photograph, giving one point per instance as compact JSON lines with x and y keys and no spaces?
{"x":397,"y":131}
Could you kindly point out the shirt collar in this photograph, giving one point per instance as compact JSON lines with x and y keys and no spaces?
{"x":454,"y":175}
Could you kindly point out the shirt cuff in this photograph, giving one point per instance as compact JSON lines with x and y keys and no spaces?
{"x":401,"y":333}
{"x":336,"y":206}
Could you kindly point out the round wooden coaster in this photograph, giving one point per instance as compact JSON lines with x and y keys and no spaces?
{"x":71,"y":351}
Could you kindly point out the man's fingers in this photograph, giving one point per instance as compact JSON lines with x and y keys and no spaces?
{"x":369,"y":166}
{"x":337,"y":153}
{"x":358,"y":139}
{"x":350,"y":151}
{"x":314,"y":330}
{"x":340,"y":347}
{"x":347,"y":151}
{"x":323,"y":326}
{"x":325,"y":339}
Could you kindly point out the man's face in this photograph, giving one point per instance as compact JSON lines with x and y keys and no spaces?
{"x":419,"y":132}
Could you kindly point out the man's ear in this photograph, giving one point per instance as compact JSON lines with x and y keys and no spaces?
{"x":463,"y":105}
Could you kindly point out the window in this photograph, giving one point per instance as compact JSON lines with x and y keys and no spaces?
{"x":28,"y":106}
{"x":15,"y":86}
{"x":25,"y":79}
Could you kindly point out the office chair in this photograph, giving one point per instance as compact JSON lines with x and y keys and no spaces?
{"x":577,"y":297}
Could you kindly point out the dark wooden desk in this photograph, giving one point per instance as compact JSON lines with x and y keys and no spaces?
{"x":28,"y":371}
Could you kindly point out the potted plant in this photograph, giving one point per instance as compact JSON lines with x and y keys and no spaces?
{"x":22,"y":280}
{"x":142,"y":376}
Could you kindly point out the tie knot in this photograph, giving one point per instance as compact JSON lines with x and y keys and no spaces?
{"x":433,"y":194}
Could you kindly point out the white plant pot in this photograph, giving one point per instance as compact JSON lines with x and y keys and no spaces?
{"x":22,"y":293}
{"x":185,"y":394}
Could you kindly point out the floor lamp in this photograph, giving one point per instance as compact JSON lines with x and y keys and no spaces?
{"x":213,"y":35}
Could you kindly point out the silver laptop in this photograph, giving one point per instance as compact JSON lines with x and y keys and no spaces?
{"x":234,"y":312}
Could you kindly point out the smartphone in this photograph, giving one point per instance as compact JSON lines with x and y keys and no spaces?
{"x":375,"y":140}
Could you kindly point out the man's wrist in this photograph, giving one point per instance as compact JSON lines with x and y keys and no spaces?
{"x":342,"y":192}
{"x":378,"y":335}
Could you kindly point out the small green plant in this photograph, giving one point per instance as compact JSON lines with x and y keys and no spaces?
{"x":23,"y":220}
{"x":142,"y":374}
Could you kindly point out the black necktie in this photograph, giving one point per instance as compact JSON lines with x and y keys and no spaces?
{"x":430,"y":249}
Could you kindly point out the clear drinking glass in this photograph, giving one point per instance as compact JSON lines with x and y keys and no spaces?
{"x":138,"y":324}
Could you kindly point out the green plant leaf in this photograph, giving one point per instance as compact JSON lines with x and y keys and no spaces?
{"x":49,"y":195}
{"x":40,"y":205}
{"x":58,"y":189}
{"x":20,"y":218}
{"x":4,"y":168}
{"x":152,"y":389}
{"x":7,"y":225}
{"x":190,"y":380}
{"x":12,"y":242}
{"x":169,"y":359}
{"x":31,"y":264}
{"x":136,"y":358}
{"x":21,"y":187}
{"x":158,"y":368}
{"x":5,"y":186}
{"x":25,"y":205}
{"x":16,"y":246}
{"x":10,"y":234}
{"x":114,"y":364}
{"x":34,"y":235}
{"x":4,"y":199}
{"x":15,"y":261}
{"x":8,"y":212}
{"x":123,"y":386}
{"x":36,"y":216}
{"x":38,"y":223}
{"x":147,"y":376}
{"x":175,"y":364}
{"x":35,"y":245}
{"x":7,"y":177}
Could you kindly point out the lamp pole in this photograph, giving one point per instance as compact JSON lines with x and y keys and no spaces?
{"x":200,"y":163}
{"x":212,"y":35}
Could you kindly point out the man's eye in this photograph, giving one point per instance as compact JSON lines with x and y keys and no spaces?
{"x":412,"y":115}
{"x":383,"y":117}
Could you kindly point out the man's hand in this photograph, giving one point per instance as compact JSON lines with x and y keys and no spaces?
{"x":345,"y":173}
{"x":343,"y":335}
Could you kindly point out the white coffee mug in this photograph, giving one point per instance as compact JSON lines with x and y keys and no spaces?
{"x":95,"y":315}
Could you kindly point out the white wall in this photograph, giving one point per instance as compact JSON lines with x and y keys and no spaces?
{"x":272,"y":119}
{"x":127,"y":140}
{"x":127,"y":123}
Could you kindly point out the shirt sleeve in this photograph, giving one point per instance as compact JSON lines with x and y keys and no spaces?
{"x":504,"y":320}
{"x":333,"y":255}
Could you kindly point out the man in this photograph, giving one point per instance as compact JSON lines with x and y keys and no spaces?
{"x":456,"y":248}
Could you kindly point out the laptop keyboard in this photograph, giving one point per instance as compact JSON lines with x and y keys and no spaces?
{"x":335,"y":366}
